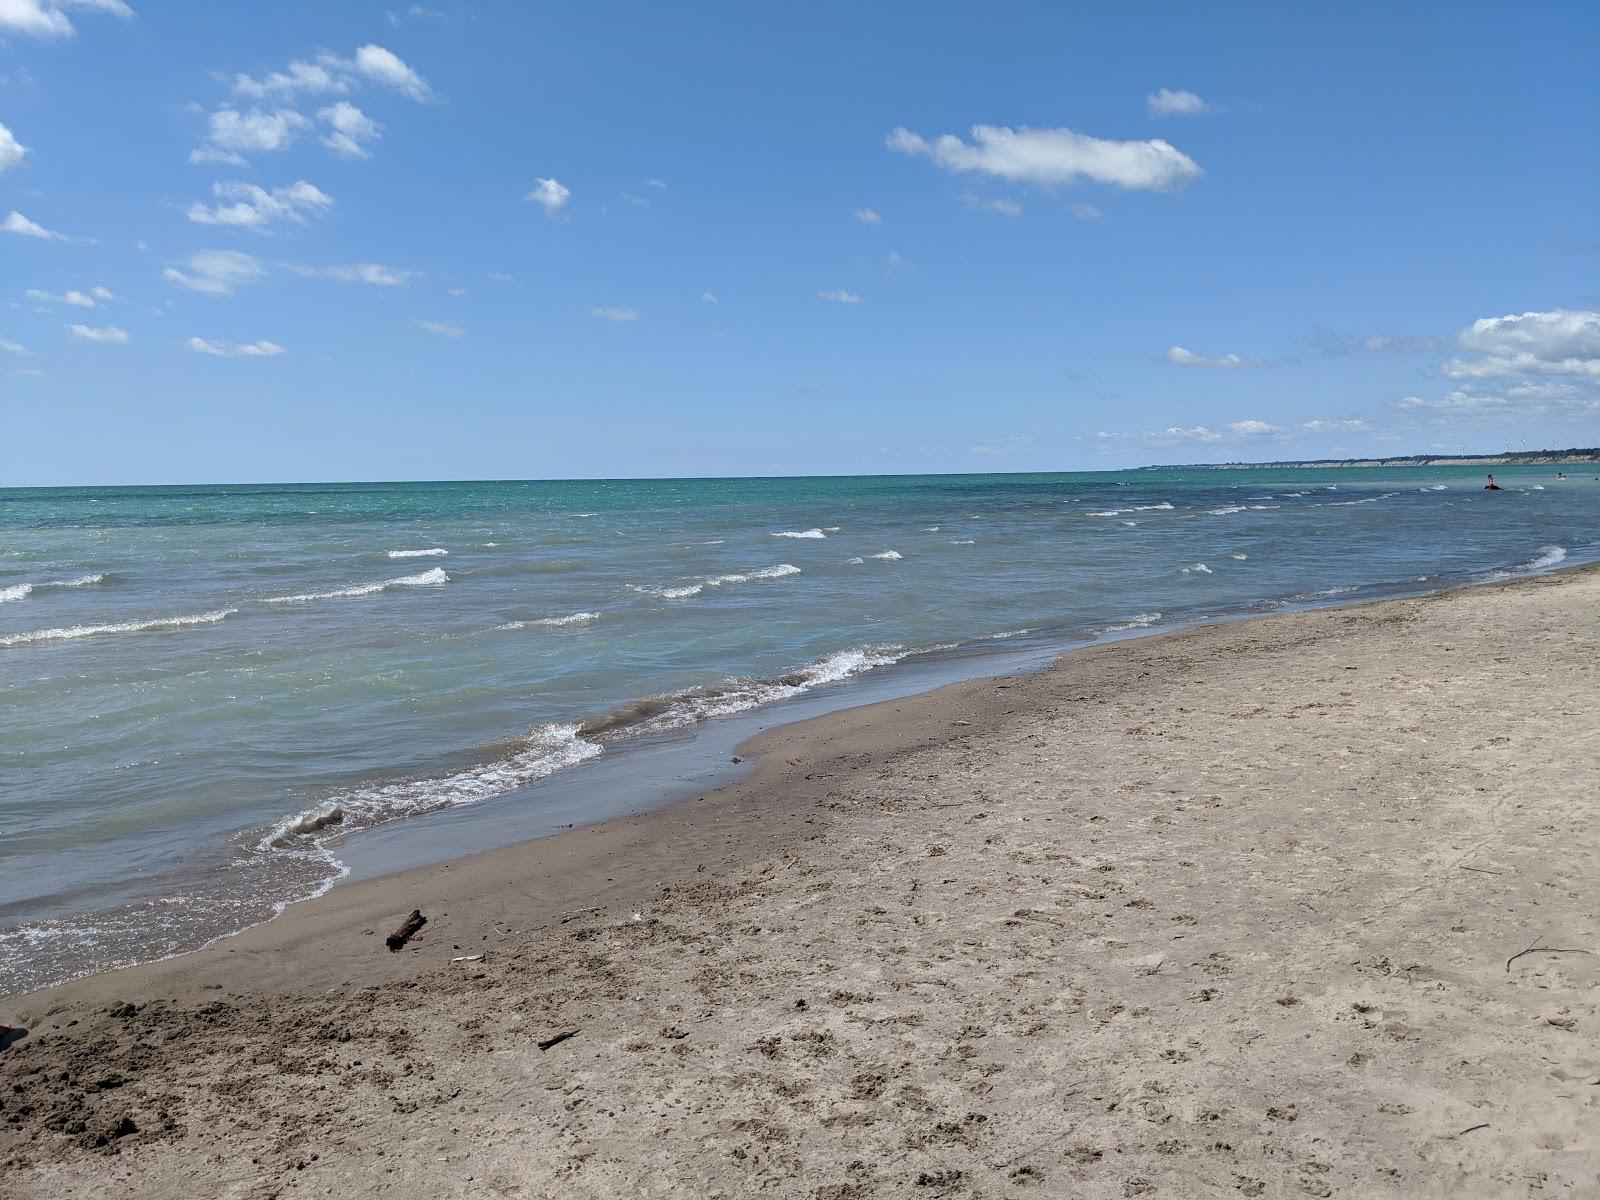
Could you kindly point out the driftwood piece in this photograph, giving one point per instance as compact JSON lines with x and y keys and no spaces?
{"x":556,"y":1038}
{"x":407,"y":930}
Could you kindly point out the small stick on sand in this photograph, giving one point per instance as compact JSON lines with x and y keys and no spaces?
{"x":1534,"y":948}
{"x":407,"y":930}
{"x":1472,"y":1129}
{"x":1480,"y":870}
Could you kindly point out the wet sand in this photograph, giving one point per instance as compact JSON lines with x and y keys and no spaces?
{"x":1303,"y":905}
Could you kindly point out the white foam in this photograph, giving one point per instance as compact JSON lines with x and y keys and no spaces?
{"x":82,"y":631}
{"x":577,"y":618}
{"x":1138,"y":621}
{"x":854,"y":562}
{"x":1240,"y":556}
{"x":21,"y":591}
{"x":546,"y":750}
{"x":684,"y":591}
{"x":1164,"y":506}
{"x":1225,"y":510}
{"x":801,"y":533}
{"x":888,"y":556}
{"x":957,"y":542}
{"x":930,"y":529}
{"x":435,"y":577}
{"x":1549,"y":556}
{"x":1197,"y":569}
{"x":435,"y":552}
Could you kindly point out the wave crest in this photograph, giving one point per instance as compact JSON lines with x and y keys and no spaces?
{"x":435,"y":577}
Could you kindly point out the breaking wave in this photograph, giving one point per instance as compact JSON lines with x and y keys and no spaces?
{"x":21,"y":591}
{"x":546,"y":750}
{"x":684,"y":591}
{"x":435,"y":577}
{"x":658,"y":714}
{"x":577,"y":618}
{"x":1138,"y":621}
{"x":1197,"y":569}
{"x":81,"y":631}
{"x":801,"y":533}
{"x":435,"y":552}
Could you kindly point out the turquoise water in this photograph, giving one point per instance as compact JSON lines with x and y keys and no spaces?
{"x":202,"y":687}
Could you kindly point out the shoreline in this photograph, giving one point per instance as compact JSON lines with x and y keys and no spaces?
{"x":507,"y":903}
{"x":699,"y":754}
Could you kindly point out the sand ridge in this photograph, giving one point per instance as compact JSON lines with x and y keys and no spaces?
{"x":1235,"y":911}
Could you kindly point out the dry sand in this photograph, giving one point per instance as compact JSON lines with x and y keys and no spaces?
{"x":1232,"y":911}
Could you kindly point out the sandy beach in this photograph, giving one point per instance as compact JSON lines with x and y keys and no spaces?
{"x":1296,"y":906}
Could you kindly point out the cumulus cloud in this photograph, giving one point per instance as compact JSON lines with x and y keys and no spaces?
{"x":707,"y":298}
{"x":374,"y":273}
{"x":11,"y":150}
{"x":1178,"y":433}
{"x":1557,"y":342}
{"x":867,"y":216}
{"x":550,"y":194}
{"x":109,"y":333}
{"x":1518,"y":402}
{"x":73,"y":297}
{"x":335,"y":75}
{"x":1168,"y":103}
{"x":216,"y":272}
{"x":386,"y":68}
{"x":1051,"y":157}
{"x":47,"y":19}
{"x":256,"y":208}
{"x":1251,"y":428}
{"x":607,"y":313}
{"x":231,"y":134}
{"x":839,"y":296}
{"x":442,"y":328}
{"x":349,"y":130}
{"x":11,"y":347}
{"x":260,"y":349}
{"x":18,"y":224}
{"x":1179,"y":356}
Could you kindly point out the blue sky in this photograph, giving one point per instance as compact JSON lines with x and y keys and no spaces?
{"x":508,"y":240}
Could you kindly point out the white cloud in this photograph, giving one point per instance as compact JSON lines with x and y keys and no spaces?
{"x":1520,"y":402}
{"x":261,"y":349}
{"x":11,"y":150}
{"x":332,"y":74}
{"x":442,"y":328}
{"x":350,"y":129}
{"x":1177,"y":433}
{"x":256,"y":207}
{"x":867,"y":216}
{"x":707,"y":298}
{"x":1051,"y":157}
{"x":102,"y":293}
{"x":1168,"y":103}
{"x":108,"y":333}
{"x":1086,"y":212}
{"x":840,"y":296}
{"x":1179,"y":356}
{"x":299,"y":77}
{"x":551,"y":194}
{"x":75,"y":298}
{"x":216,"y":272}
{"x":1006,"y":208}
{"x":1251,"y":428}
{"x":1319,"y":426}
{"x":231,"y":135}
{"x":386,"y":68}
{"x":1558,"y":342}
{"x":607,"y":313}
{"x":18,"y":224}
{"x":374,"y":273}
{"x":11,"y":347}
{"x":653,"y":182}
{"x":45,"y":18}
